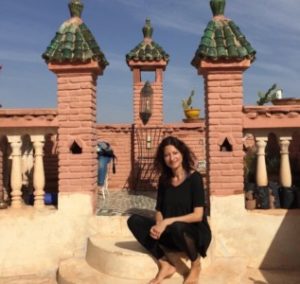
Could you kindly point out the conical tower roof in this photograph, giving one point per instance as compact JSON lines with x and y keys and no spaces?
{"x":222,"y":39}
{"x":74,"y":42}
{"x":147,"y":50}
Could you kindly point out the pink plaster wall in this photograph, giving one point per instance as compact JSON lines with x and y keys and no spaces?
{"x":119,"y":136}
{"x":75,"y":121}
{"x":121,"y":139}
{"x":269,"y":116}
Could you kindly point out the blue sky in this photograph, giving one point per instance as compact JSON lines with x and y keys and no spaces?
{"x":27,"y":27}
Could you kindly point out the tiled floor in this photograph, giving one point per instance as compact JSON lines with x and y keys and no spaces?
{"x":126,"y":203}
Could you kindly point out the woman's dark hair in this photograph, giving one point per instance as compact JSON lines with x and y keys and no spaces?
{"x":188,"y":158}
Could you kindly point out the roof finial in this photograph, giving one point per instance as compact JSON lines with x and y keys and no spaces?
{"x":147,"y":29}
{"x":217,"y":7}
{"x":76,"y":8}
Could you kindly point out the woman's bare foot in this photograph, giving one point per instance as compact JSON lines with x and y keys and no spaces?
{"x":166,"y":270}
{"x":193,"y":276}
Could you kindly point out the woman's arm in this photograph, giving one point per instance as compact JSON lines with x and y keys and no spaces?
{"x":196,"y":216}
{"x":158,"y":217}
{"x":155,"y":231}
{"x":161,"y":223}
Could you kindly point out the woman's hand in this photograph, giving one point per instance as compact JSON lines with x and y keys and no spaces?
{"x":157,"y":230}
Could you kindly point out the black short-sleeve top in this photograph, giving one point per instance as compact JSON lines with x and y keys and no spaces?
{"x":173,"y":201}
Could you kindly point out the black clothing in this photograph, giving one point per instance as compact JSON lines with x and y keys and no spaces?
{"x":174,"y":201}
{"x":178,"y":236}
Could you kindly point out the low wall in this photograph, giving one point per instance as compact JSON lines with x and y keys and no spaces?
{"x":34,"y":242}
{"x":267,"y":239}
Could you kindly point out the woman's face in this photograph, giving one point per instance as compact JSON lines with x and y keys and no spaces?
{"x":172,"y":157}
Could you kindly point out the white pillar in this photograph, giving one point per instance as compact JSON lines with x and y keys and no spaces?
{"x":261,"y":167}
{"x":285,"y":167}
{"x":16,"y":171}
{"x":38,"y":170}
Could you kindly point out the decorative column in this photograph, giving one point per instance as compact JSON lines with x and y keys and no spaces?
{"x":261,"y":167}
{"x":285,"y":167}
{"x":16,"y":171}
{"x":38,"y":170}
{"x":221,"y":58}
{"x":77,"y":61}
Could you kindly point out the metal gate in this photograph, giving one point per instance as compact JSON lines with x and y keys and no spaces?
{"x":146,"y":140}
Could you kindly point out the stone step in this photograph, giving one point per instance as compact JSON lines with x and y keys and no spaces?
{"x":28,"y":279}
{"x":233,"y":271}
{"x":126,"y":258}
{"x":113,"y":250}
{"x":78,"y":271}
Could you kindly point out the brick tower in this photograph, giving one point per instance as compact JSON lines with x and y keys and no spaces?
{"x":148,"y":56}
{"x":221,"y":58}
{"x":76,"y":59}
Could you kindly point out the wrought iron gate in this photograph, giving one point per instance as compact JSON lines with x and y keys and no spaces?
{"x":146,"y":140}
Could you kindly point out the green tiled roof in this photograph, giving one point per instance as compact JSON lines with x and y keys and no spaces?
{"x":222,"y":39}
{"x":74,"y":42}
{"x":147,"y":50}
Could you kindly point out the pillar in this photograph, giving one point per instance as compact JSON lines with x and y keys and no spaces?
{"x":285,"y":167}
{"x":77,"y":159}
{"x":223,"y":83}
{"x":38,"y":170}
{"x":16,"y":171}
{"x":261,"y":167}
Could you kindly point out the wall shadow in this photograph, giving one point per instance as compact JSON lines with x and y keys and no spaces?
{"x":283,"y":256}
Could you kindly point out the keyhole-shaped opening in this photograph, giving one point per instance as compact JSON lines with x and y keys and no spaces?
{"x":226,"y":146}
{"x":75,"y":148}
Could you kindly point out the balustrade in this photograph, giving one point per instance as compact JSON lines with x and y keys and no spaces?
{"x":25,"y":170}
{"x":285,"y":173}
{"x":273,"y":164}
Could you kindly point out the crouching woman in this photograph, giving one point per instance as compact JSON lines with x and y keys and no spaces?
{"x":180,"y":222}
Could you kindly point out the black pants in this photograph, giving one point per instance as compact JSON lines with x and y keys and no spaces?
{"x":178,"y":236}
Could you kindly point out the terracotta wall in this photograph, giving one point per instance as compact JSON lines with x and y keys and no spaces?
{"x":120,"y":137}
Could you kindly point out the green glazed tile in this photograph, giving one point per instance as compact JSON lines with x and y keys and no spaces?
{"x":222,"y":39}
{"x":74,"y":42}
{"x":147,"y":50}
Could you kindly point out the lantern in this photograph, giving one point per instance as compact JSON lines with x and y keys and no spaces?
{"x":146,"y":102}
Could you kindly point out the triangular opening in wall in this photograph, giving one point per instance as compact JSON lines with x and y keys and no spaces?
{"x":75,"y":148}
{"x":226,"y":146}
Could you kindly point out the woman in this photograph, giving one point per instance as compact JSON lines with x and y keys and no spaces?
{"x":180,"y":223}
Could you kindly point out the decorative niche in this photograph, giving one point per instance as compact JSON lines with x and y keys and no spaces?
{"x":226,"y":146}
{"x":75,"y":148}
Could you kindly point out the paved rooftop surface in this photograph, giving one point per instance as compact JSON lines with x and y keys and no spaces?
{"x":126,"y":203}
